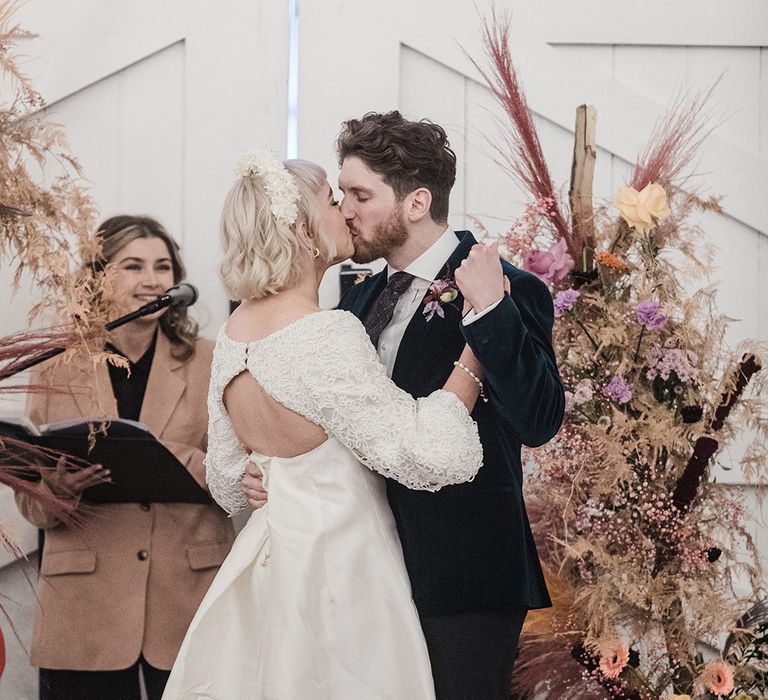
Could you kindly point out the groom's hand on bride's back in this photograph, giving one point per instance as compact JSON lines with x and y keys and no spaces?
{"x":253,"y":489}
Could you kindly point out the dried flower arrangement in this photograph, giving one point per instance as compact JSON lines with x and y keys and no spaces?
{"x":640,"y":547}
{"x":47,"y":222}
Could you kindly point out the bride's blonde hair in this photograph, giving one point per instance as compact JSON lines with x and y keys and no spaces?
{"x":261,"y":254}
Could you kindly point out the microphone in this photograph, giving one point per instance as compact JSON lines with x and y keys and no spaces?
{"x":182,"y":294}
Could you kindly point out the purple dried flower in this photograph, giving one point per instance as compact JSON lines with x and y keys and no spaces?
{"x":441,"y":291}
{"x":662,"y":361}
{"x":432,"y":308}
{"x":565,"y":300}
{"x":649,"y":315}
{"x":618,"y":390}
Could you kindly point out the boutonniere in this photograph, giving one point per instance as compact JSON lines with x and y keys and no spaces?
{"x":440,"y":293}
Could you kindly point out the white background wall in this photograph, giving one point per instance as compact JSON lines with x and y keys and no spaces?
{"x":158,"y":98}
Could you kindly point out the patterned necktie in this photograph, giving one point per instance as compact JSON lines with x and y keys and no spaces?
{"x":382,"y":309}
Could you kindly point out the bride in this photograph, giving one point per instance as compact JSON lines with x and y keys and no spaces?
{"x":313,"y":601}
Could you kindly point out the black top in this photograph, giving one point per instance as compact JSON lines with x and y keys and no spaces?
{"x":129,"y":391}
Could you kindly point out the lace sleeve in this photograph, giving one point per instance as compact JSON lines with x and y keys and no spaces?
{"x":226,"y":458}
{"x":338,"y":382}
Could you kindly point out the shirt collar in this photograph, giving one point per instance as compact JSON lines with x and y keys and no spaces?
{"x":430,"y":263}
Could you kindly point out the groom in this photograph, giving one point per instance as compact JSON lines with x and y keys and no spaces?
{"x":470,"y":555}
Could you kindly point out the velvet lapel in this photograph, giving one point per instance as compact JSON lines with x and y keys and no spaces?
{"x":165,"y":387}
{"x":369,"y":293}
{"x":420,"y":333}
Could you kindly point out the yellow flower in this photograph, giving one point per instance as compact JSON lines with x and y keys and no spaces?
{"x":642,"y":209}
{"x":679,"y":697}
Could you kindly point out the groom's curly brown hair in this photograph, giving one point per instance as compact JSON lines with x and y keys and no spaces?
{"x":407,"y":154}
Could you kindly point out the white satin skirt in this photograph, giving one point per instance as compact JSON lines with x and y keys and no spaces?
{"x":313,"y":601}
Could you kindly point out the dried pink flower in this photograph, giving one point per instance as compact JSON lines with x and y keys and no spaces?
{"x":550,"y":266}
{"x":716,"y":677}
{"x":614,"y":659}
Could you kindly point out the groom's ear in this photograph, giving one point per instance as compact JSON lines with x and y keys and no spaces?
{"x":417,"y":204}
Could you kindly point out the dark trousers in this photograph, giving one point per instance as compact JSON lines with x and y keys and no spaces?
{"x":472,"y":655}
{"x":103,"y":685}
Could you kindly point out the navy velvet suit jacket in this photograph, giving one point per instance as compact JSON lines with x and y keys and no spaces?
{"x":469,"y":548}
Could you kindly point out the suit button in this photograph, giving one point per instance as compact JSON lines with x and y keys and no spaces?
{"x":142,"y":554}
{"x":144,"y":506}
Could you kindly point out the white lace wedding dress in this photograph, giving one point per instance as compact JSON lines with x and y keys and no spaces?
{"x":313,"y":601}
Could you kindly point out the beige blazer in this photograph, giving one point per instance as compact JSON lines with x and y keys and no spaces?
{"x":128,"y":581}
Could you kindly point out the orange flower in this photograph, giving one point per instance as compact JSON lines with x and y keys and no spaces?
{"x":607,"y":259}
{"x":614,"y":659}
{"x":717,"y":677}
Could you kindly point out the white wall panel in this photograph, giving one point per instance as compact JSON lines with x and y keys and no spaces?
{"x":736,"y":269}
{"x":152,"y":135}
{"x":738,"y":92}
{"x":655,"y":23}
{"x":762,"y":287}
{"x":762,"y":121}
{"x":656,"y":72}
{"x":493,"y":197}
{"x":128,"y":133}
{"x":599,"y":57}
{"x":621,"y":173}
{"x":433,"y":91}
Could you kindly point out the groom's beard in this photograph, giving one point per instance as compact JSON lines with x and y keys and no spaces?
{"x":387,"y":235}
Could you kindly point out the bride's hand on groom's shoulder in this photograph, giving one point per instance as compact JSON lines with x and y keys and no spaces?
{"x":252,"y":486}
{"x":480,"y":278}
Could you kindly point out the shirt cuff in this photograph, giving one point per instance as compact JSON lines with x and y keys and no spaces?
{"x":473,"y":315}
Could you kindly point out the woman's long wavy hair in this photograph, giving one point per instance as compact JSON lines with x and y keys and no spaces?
{"x":117,"y":232}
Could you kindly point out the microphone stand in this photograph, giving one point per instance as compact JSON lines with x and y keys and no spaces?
{"x":150,"y":308}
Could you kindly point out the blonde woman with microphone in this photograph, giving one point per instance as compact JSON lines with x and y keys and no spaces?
{"x":117,"y":593}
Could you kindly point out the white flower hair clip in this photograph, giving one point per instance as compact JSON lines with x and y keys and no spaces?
{"x":278,"y":183}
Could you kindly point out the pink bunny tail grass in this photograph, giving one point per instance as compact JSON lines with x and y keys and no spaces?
{"x":523,"y":154}
{"x":18,"y":457}
{"x":17,"y":349}
{"x":675,"y":139}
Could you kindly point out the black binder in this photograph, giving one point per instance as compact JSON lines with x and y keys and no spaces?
{"x":142,"y":469}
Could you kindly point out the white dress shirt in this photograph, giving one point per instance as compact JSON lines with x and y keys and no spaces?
{"x":425,"y":270}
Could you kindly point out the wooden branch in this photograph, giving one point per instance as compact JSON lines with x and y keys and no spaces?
{"x":580,"y":193}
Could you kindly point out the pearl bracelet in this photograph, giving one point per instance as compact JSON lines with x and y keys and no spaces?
{"x":475,"y":377}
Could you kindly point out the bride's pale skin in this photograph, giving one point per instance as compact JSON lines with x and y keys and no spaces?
{"x":265,"y":426}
